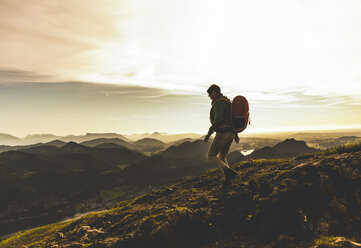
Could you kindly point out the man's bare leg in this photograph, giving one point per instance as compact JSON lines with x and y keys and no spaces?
{"x":224,"y":151}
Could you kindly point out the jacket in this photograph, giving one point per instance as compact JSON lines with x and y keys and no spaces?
{"x":220,"y":115}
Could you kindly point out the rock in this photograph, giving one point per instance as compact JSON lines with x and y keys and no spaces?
{"x":340,"y":242}
{"x":87,"y":232}
{"x":95,"y":232}
{"x":346,"y":242}
{"x":83,"y":228}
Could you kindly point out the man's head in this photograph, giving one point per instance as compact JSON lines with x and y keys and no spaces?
{"x":213,"y":91}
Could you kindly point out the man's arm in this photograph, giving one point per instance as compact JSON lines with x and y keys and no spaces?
{"x":218,"y":105}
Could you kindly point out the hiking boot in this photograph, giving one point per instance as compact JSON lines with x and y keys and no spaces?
{"x":229,"y":173}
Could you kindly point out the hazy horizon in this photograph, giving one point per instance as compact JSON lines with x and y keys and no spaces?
{"x":246,"y":134}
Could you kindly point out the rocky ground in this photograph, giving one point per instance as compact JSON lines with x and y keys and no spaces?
{"x":308,"y":201}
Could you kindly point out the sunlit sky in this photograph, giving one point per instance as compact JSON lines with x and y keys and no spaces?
{"x":133,"y":66}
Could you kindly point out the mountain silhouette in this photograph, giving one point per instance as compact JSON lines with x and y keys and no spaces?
{"x":57,"y":143}
{"x":99,"y":141}
{"x":110,"y":145}
{"x":112,"y":156}
{"x":190,"y":149}
{"x":286,"y":148}
{"x":235,"y":157}
{"x":148,"y":145}
{"x":92,"y":136}
{"x":42,"y":149}
{"x":8,"y":139}
{"x":294,"y":147}
{"x":145,"y":145}
{"x":150,"y":142}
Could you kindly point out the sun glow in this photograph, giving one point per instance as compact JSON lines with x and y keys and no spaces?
{"x":236,"y":43}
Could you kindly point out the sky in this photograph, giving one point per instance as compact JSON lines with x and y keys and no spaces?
{"x":134,"y":66}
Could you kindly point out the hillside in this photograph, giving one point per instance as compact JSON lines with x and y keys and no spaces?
{"x":56,"y":143}
{"x":96,"y":142}
{"x":43,"y":184}
{"x":304,"y":201}
{"x":284,"y":149}
{"x":146,"y":145}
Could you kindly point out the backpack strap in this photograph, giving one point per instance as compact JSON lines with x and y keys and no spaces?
{"x":221,"y":98}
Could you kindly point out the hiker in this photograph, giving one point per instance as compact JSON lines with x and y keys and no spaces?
{"x":220,"y":117}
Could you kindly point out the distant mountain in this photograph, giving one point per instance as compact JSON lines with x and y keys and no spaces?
{"x":56,"y":143}
{"x":38,"y":138}
{"x":99,"y":141}
{"x":148,"y":145}
{"x":294,"y":147}
{"x":7,"y":139}
{"x":188,"y":150}
{"x":113,"y":156}
{"x":92,"y":136}
{"x":4,"y":148}
{"x":267,"y":152}
{"x":42,"y":149}
{"x":145,"y":145}
{"x":249,"y":143}
{"x":149,"y":142}
{"x":178,"y":142}
{"x":110,"y":145}
{"x":347,"y":138}
{"x":333,"y":142}
{"x":165,"y":137}
{"x":235,"y":157}
{"x":286,"y":148}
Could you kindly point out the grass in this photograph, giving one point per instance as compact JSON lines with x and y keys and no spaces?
{"x":326,"y":242}
{"x":352,"y":147}
{"x":37,"y":237}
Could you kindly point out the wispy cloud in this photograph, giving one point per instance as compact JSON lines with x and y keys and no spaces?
{"x":18,"y":76}
{"x":301,"y":98}
{"x":55,"y":36}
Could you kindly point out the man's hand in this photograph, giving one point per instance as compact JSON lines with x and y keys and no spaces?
{"x":207,"y":138}
{"x":236,"y":138}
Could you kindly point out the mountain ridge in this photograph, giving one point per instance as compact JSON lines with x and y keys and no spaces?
{"x":293,"y":202}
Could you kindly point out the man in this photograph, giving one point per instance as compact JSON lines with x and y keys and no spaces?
{"x":220,"y":117}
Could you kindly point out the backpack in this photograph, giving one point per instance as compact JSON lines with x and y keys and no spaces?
{"x":239,"y":113}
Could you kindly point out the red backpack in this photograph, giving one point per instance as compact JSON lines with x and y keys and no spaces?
{"x":240,"y":113}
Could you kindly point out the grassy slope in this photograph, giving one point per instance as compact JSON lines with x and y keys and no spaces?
{"x":280,"y":202}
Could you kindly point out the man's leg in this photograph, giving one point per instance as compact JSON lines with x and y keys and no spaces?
{"x":220,"y":140}
{"x":224,"y":150}
{"x":228,"y":171}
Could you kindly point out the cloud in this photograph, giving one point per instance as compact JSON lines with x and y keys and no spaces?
{"x":56,"y":37}
{"x":300,"y":98}
{"x":13,"y":76}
